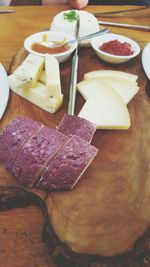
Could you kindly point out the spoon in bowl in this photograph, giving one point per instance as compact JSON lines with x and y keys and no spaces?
{"x":55,"y":44}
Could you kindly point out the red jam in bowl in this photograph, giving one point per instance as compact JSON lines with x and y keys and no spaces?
{"x":117,"y":48}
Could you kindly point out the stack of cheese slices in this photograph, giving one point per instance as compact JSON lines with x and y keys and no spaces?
{"x":107,"y":94}
{"x":26,"y":82}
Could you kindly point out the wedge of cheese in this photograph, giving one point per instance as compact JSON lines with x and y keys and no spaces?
{"x":89,"y":88}
{"x":53,"y":84}
{"x":125,"y":88}
{"x":110,"y":74}
{"x":107,"y":110}
{"x":29,"y":71}
{"x":37,"y":95}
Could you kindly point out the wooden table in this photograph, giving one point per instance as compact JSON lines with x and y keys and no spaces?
{"x":20,"y":229}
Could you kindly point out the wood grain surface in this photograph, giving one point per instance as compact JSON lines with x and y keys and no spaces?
{"x":20,"y":229}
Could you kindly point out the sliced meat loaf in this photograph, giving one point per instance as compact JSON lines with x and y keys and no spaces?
{"x":73,"y":125}
{"x":36,"y":154}
{"x":16,"y":133}
{"x":68,"y":165}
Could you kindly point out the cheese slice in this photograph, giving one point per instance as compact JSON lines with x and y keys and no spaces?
{"x":53,"y":84}
{"x":90,"y":87}
{"x":37,"y":95}
{"x":42,"y":78}
{"x":29,"y":71}
{"x":125,"y":88}
{"x":107,"y":110}
{"x":110,"y":74}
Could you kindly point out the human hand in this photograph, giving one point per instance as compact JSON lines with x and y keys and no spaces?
{"x":5,"y":2}
{"x":78,"y":4}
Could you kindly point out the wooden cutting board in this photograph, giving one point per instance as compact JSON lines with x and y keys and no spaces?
{"x":20,"y":229}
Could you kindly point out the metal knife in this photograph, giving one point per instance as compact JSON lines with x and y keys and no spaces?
{"x":74,"y":71}
{"x":124,"y":25}
{"x":119,"y":12}
{"x":4,"y":90}
{"x":7,"y":11}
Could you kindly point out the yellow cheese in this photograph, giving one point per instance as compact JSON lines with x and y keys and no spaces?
{"x":91,"y":87}
{"x":53,"y":84}
{"x":107,"y":110}
{"x":110,"y":74}
{"x":125,"y":88}
{"x":21,"y":81}
{"x":42,"y":78}
{"x":37,"y":95}
{"x":29,"y":71}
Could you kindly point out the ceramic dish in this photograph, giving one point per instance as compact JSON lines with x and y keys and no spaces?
{"x":146,"y":60}
{"x":50,"y":36}
{"x":4,"y":88}
{"x":96,"y":42}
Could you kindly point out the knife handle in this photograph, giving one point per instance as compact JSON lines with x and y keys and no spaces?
{"x":73,"y":83}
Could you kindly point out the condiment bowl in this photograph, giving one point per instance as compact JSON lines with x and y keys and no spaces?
{"x":49,"y":36}
{"x":96,"y":42}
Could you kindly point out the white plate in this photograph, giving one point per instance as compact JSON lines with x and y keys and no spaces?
{"x":146,"y":60}
{"x":51,"y":36}
{"x":4,"y":90}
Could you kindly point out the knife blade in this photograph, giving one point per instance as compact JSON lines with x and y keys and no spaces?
{"x":146,"y":60}
{"x":123,"y":25}
{"x":74,"y":71}
{"x":119,"y":12}
{"x":7,"y":11}
{"x":4,"y":90}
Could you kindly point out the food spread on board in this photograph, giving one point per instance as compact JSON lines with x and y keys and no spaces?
{"x":55,"y":159}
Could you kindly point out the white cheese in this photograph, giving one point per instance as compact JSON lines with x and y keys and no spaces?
{"x":21,"y":81}
{"x":29,"y":71}
{"x":53,"y":84}
{"x":107,"y":110}
{"x":88,"y":24}
{"x":37,"y":95}
{"x":110,"y":74}
{"x":125,"y":88}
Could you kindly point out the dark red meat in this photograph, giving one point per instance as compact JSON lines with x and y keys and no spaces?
{"x":14,"y":136}
{"x":68,"y":165}
{"x":36,"y":154}
{"x":73,"y":125}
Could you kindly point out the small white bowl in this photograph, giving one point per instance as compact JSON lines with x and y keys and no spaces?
{"x":96,"y":42}
{"x":51,"y":36}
